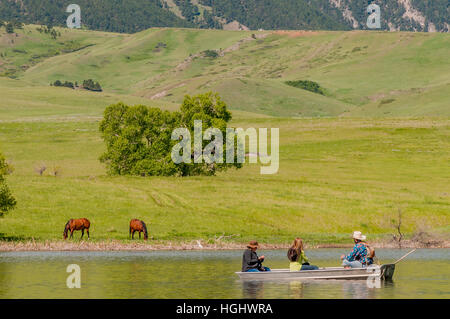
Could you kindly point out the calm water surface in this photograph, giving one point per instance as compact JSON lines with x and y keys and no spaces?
{"x":208,"y":274}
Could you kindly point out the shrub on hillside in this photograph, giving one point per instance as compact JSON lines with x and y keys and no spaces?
{"x":210,"y":54}
{"x":65,"y":84}
{"x":307,"y":85}
{"x":87,"y":85}
{"x":92,"y":86}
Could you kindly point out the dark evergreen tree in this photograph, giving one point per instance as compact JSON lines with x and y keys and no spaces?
{"x":9,"y":28}
{"x":136,"y":15}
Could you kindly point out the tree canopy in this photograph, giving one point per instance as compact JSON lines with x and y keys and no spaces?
{"x":7,"y":201}
{"x":139,"y":138}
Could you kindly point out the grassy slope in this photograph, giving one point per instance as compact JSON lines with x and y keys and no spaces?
{"x":28,"y":47}
{"x":121,"y":62}
{"x":360,"y":70}
{"x":336,"y":175}
{"x":24,"y":102}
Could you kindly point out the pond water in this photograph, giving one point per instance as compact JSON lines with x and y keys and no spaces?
{"x":209,"y":274}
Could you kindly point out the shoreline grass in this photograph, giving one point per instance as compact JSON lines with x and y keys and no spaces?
{"x":117,"y":245}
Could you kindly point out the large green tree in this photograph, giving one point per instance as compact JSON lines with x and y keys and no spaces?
{"x":136,"y":139}
{"x":139,"y":138}
{"x":7,"y":201}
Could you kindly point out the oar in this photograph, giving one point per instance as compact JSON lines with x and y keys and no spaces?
{"x":405,"y":256}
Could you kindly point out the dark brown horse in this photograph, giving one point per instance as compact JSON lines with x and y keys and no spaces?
{"x":138,"y":225}
{"x":77,"y":224}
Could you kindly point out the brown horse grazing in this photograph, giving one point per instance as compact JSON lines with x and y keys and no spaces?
{"x":138,"y":225}
{"x":77,"y":224}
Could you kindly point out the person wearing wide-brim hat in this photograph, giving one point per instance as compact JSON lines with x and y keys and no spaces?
{"x":250,"y":260}
{"x":358,"y":256}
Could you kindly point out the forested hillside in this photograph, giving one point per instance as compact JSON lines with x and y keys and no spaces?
{"x":279,"y":14}
{"x":131,"y":16}
{"x":404,"y":15}
{"x":126,"y":16}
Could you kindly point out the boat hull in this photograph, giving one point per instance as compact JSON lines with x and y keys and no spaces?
{"x":335,"y":273}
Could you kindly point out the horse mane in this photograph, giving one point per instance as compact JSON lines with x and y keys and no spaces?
{"x":66,"y":228}
{"x":145,"y":229}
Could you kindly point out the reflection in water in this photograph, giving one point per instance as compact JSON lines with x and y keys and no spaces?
{"x":357,"y":289}
{"x":361,"y":289}
{"x":253,"y":289}
{"x":388,"y":283}
{"x":206,"y":274}
{"x":296,"y":289}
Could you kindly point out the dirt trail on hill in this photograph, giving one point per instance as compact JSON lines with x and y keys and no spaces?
{"x":187,"y":62}
{"x":295,"y":33}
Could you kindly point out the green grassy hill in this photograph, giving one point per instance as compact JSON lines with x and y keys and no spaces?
{"x":364,"y":73}
{"x":336,"y":175}
{"x":386,"y":145}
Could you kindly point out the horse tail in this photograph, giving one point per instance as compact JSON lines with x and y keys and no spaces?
{"x":145,"y":229}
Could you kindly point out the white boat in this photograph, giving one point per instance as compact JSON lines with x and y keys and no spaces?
{"x":374,"y":271}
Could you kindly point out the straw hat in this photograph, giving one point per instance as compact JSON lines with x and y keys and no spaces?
{"x":358,"y":235}
{"x":252,"y":244}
